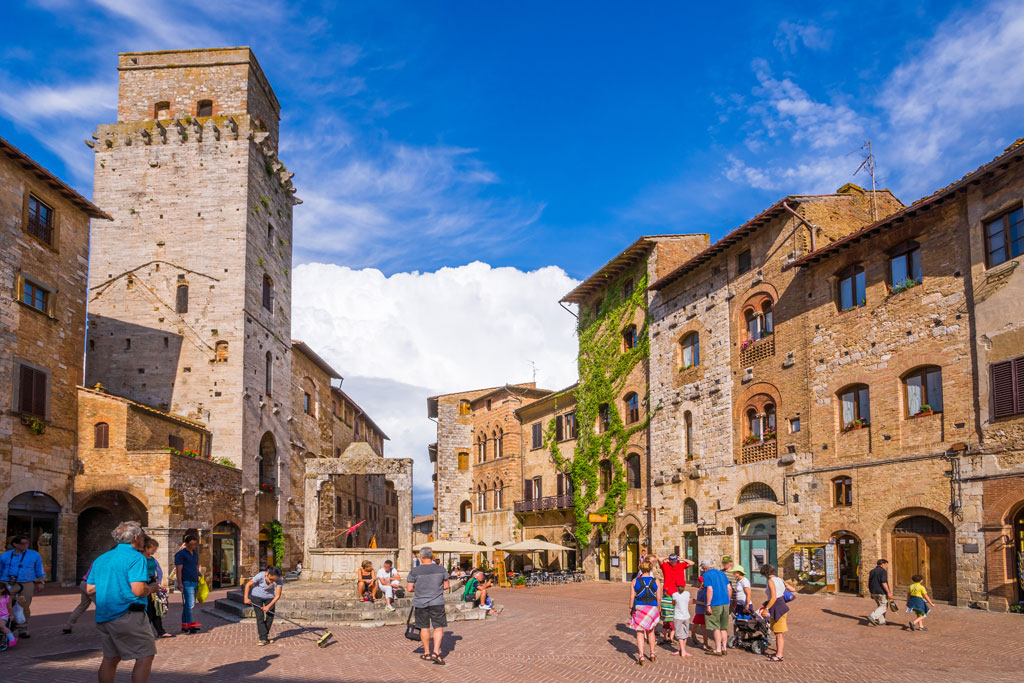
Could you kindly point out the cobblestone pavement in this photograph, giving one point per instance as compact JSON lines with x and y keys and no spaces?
{"x":558,"y":633}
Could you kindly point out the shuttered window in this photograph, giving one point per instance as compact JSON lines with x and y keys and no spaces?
{"x":101,"y":435}
{"x":537,"y":435}
{"x":1008,"y":387}
{"x":559,"y":428}
{"x":32,"y":391}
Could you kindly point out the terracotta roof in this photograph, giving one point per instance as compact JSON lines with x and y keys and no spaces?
{"x":553,"y":396}
{"x":1012,"y":154}
{"x":315,"y":357}
{"x":195,"y":424}
{"x":625,"y":260}
{"x":514,"y":389}
{"x":54,"y":183}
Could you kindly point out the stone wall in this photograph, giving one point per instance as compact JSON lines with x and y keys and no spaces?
{"x":51,"y":341}
{"x":341,"y":564}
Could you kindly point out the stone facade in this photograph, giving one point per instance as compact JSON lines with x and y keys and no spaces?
{"x":422,"y":529}
{"x":44,"y":255}
{"x":477,"y":464}
{"x":545,"y":510}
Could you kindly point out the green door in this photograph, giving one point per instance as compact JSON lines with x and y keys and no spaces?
{"x":758,"y":546}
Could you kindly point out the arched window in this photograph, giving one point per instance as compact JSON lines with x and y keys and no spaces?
{"x":268,"y":460}
{"x":481,"y":448}
{"x":481,"y":498}
{"x":268,"y":293}
{"x":604,"y":418}
{"x":204,"y":108}
{"x":923,"y":390}
{"x":690,"y":347}
{"x":181,"y":298}
{"x":852,"y":289}
{"x":162,"y":110}
{"x":499,"y":491}
{"x":498,"y":435}
{"x":101,"y":435}
{"x":760,"y":421}
{"x":269,"y":374}
{"x":221,"y":351}
{"x":688,"y":434}
{"x":753,"y":321}
{"x":633,"y":471}
{"x":466,"y":512}
{"x":605,"y":475}
{"x":629,"y":337}
{"x":842,"y":492}
{"x":767,"y":320}
{"x":757,"y":491}
{"x":689,"y":511}
{"x":632,"y":402}
{"x":854,"y":406}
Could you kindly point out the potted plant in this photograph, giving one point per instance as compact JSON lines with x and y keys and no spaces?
{"x":859,"y":423}
{"x":35,"y":424}
{"x":519,"y":582}
{"x":269,"y":488}
{"x":769,"y":434}
{"x":686,"y":367}
{"x":924,"y":410}
{"x":690,"y":456}
{"x":745,"y":344}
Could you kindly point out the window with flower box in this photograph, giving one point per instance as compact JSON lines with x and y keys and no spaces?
{"x":854,"y":407}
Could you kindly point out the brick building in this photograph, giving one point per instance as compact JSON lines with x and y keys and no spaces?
{"x":545,"y":510}
{"x":614,"y":372}
{"x":44,"y":252}
{"x":824,"y":409}
{"x":477,"y":463}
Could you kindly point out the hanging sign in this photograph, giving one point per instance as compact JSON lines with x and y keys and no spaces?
{"x":596,"y":518}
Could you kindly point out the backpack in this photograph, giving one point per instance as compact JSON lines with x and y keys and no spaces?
{"x":648,"y":591}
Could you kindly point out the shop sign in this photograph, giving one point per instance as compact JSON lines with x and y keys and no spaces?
{"x":596,"y":518}
{"x":712,"y":531}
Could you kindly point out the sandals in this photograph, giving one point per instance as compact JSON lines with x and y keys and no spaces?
{"x":436,"y":658}
{"x":640,"y":661}
{"x":775,"y":658}
{"x":652,"y":658}
{"x":426,"y":658}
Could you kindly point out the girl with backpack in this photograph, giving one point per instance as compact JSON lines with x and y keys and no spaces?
{"x":644,"y":596}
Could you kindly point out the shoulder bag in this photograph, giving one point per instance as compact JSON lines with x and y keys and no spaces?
{"x":411,"y":631}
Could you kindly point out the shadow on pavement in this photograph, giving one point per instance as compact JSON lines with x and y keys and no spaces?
{"x":242,"y":669}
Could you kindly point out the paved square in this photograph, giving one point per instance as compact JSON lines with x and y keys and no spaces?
{"x":558,"y":633}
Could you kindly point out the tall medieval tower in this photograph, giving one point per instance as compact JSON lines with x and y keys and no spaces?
{"x":190,"y":285}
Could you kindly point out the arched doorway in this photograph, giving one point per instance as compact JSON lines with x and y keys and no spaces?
{"x":35,"y":514}
{"x":632,"y":549}
{"x":604,"y":561}
{"x":225,"y":555}
{"x":921,"y":545}
{"x":848,"y":548}
{"x":758,"y":546}
{"x":1018,"y":551}
{"x":569,"y":541}
{"x":100,"y":514}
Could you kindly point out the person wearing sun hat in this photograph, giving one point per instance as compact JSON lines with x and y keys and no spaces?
{"x":741,"y":590}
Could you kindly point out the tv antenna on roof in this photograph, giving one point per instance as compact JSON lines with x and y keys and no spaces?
{"x":534,"y":366}
{"x":869,"y":165}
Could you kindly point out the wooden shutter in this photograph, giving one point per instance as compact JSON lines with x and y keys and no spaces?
{"x":559,"y":428}
{"x":528,"y":490}
{"x":25,"y":389}
{"x":1004,"y":389}
{"x":39,"y":393}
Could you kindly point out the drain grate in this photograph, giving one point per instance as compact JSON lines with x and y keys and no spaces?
{"x":70,"y":655}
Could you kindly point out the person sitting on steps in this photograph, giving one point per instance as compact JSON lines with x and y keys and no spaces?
{"x":366,"y":583}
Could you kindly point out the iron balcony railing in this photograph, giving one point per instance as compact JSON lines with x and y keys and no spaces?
{"x":548,"y":503}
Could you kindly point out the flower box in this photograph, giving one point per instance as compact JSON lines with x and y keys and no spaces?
{"x":924,"y":413}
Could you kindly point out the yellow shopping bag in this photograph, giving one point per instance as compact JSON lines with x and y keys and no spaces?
{"x":202,"y":591}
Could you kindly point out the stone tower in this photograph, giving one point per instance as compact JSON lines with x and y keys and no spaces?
{"x":189,"y":285}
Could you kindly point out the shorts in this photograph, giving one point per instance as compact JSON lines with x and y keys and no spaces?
{"x":717,"y":618}
{"x":128,"y":637}
{"x":430,"y":617}
{"x":779,"y":625}
{"x":682,"y":628}
{"x":698,"y":620}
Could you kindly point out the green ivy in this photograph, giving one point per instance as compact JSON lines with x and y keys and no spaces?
{"x":603,"y":370}
{"x":277,"y":541}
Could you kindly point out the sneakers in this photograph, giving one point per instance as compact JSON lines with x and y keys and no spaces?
{"x":263,"y":642}
{"x":389,"y":608}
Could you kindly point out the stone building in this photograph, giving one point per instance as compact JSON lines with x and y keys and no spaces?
{"x":44,"y":254}
{"x":477,"y":464}
{"x":831,"y":389}
{"x":728,"y":380}
{"x":422,"y":529}
{"x":545,"y":510}
{"x":152,"y":466}
{"x":190,"y":306}
{"x":613,"y":399}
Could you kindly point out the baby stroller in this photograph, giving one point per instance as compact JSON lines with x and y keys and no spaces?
{"x":750,"y":631}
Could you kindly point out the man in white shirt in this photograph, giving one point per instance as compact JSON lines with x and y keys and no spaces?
{"x":388,"y":579}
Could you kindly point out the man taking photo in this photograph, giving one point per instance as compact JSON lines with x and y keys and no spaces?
{"x":476,"y":592}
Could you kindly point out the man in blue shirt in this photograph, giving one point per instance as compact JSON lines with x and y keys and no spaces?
{"x":119,"y":580}
{"x":716,"y":618}
{"x":186,"y":569}
{"x":22,"y":569}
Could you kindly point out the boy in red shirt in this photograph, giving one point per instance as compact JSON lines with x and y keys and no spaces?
{"x":673,"y":572}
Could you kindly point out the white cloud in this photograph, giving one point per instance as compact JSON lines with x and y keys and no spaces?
{"x":791,"y":35}
{"x":399,"y":339}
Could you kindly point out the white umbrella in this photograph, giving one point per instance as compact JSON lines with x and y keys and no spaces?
{"x":532,"y":545}
{"x":453,"y":547}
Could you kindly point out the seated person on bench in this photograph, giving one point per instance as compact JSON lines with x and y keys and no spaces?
{"x":366,"y":582}
{"x":476,"y":592}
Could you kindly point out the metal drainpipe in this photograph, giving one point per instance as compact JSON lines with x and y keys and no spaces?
{"x":814,"y":228}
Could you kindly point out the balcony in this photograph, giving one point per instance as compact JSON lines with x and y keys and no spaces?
{"x":757,"y":451}
{"x":753,"y":351}
{"x":548,"y":503}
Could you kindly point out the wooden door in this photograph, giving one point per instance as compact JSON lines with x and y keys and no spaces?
{"x":939,"y":579}
{"x":907,"y":558}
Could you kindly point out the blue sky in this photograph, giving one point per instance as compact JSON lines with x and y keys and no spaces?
{"x":468,"y":146}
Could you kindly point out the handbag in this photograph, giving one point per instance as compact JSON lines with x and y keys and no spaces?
{"x":411,"y":630}
{"x":17,"y":612}
{"x":788,"y":596}
{"x":202,"y":591}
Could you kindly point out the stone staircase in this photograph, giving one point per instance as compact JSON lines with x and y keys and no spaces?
{"x":326,"y":604}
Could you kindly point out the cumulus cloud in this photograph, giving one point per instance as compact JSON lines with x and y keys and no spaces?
{"x":791,"y":35}
{"x":399,"y":339}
